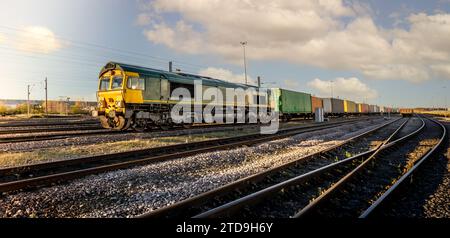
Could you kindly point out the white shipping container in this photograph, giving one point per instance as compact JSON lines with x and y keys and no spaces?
{"x":327,"y":105}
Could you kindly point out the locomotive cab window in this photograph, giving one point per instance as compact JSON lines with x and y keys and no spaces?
{"x":104,"y":84}
{"x":136,"y":83}
{"x":116,"y":83}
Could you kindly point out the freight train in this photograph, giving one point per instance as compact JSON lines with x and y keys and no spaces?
{"x":139,"y":97}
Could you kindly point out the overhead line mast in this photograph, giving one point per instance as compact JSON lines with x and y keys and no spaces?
{"x":46,"y":98}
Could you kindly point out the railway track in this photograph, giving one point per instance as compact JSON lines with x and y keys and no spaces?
{"x":363,"y":189}
{"x":50,"y":129}
{"x":224,"y":194}
{"x":389,"y":197}
{"x":44,"y":137}
{"x":101,"y":131}
{"x":46,"y":173}
{"x":373,"y":179}
{"x":57,"y":123}
{"x":284,"y":198}
{"x":93,"y":132}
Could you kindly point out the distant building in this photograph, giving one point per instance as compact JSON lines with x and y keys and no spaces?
{"x":56,"y":106}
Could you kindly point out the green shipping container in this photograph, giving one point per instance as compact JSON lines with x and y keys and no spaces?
{"x":291,"y":102}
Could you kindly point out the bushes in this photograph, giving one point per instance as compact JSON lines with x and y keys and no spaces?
{"x":19,"y":109}
{"x":3,"y":110}
{"x":77,"y":110}
{"x":55,"y":107}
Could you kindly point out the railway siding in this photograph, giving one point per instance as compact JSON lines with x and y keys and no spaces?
{"x":358,"y":193}
{"x":428,"y":194}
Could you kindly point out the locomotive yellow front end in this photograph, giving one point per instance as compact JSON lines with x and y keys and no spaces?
{"x":110,"y":96}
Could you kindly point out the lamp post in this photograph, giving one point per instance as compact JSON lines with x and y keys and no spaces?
{"x":28,"y":100}
{"x":331,"y":86}
{"x":67,"y":105}
{"x":244,"y":43}
{"x":445,"y":95}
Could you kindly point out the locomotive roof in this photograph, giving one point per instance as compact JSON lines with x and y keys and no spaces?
{"x":173,"y":77}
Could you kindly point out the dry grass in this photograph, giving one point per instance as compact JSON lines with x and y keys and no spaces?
{"x":21,"y":158}
{"x":9,"y":159}
{"x":439,"y":113}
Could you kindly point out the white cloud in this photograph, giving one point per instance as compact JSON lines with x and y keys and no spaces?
{"x":441,"y":70}
{"x":38,"y":39}
{"x":143,"y":19}
{"x":413,"y":73}
{"x":226,"y":75}
{"x":305,"y":32}
{"x":2,"y":39}
{"x":182,"y":37}
{"x":285,"y":21}
{"x":348,"y":88}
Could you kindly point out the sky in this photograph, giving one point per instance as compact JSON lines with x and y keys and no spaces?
{"x":385,"y":52}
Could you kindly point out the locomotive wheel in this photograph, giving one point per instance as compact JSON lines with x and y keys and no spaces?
{"x":118,"y":123}
{"x":104,"y":122}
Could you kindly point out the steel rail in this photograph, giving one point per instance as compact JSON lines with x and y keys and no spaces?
{"x":38,"y":130}
{"x":44,"y":137}
{"x":49,"y":124}
{"x":386,"y":195}
{"x":323,"y":197}
{"x":97,"y":131}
